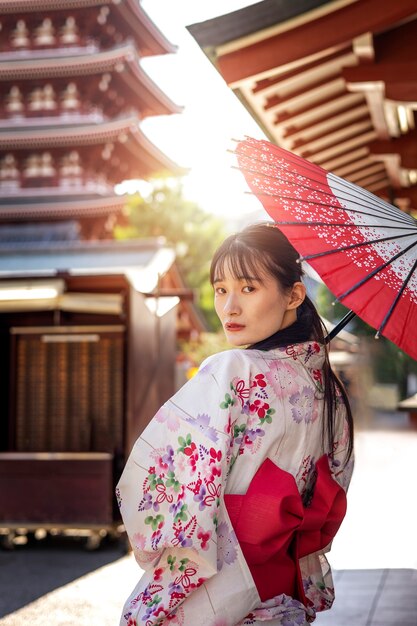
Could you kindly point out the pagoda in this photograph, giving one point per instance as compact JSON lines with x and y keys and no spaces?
{"x":88,"y":324}
{"x":73,"y":95}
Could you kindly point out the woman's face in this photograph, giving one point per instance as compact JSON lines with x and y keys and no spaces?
{"x":251,"y":310}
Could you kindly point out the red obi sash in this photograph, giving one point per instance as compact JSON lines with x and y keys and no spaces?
{"x":275,"y":530}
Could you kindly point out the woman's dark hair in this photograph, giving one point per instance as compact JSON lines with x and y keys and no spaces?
{"x":263,"y":247}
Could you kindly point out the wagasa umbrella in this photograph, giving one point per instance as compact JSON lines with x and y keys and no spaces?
{"x":364,"y":248}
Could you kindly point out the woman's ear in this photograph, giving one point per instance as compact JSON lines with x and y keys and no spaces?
{"x":297,"y":295}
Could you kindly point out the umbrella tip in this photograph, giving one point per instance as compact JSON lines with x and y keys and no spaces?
{"x":377,"y":335}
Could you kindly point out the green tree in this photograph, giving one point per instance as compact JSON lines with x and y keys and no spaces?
{"x":193,"y":233}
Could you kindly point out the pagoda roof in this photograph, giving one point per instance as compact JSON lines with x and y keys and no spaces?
{"x":118,"y":59}
{"x":333,"y":82}
{"x":59,"y":208}
{"x":153,"y":42}
{"x":150,"y":160}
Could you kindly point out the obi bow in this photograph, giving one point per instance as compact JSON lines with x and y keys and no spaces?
{"x":275,"y":529}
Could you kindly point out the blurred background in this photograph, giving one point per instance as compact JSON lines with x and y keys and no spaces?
{"x":117,"y":122}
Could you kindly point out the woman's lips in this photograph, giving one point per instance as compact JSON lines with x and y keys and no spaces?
{"x":234,"y":327}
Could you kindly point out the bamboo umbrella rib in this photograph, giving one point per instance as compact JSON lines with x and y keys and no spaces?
{"x":412,"y":226}
{"x":396,"y":300}
{"x":346,"y":188}
{"x":344,"y":184}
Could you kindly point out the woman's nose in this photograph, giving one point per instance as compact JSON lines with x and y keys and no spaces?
{"x":232,"y":305}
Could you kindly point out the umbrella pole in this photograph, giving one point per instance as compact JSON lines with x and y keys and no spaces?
{"x":345,"y":320}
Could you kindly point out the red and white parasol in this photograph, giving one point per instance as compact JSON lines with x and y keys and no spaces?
{"x":364,"y":249}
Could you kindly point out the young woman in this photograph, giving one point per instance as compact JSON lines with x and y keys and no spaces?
{"x":235,"y":490}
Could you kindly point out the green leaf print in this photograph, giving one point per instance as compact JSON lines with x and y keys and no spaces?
{"x":228,"y":401}
{"x":184,"y":442}
{"x":154,"y":521}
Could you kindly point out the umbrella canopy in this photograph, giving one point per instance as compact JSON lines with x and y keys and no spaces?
{"x":364,"y":249}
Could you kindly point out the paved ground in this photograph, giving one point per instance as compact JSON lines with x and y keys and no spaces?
{"x":374,"y":555}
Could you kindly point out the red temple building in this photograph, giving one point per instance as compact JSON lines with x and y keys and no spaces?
{"x":87,"y":324}
{"x":334,"y":82}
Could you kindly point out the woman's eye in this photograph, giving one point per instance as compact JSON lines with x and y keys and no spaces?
{"x":219,"y":291}
{"x":248,"y":289}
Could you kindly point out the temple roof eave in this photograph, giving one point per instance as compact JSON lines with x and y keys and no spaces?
{"x":126,"y":131}
{"x":57,"y":209}
{"x":87,"y":65}
{"x":130,"y":11}
{"x":333,"y":84}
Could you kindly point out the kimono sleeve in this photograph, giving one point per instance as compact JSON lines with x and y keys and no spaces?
{"x":169,"y":492}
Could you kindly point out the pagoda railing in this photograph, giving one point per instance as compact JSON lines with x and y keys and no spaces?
{"x":10,"y":54}
{"x":58,"y":117}
{"x":53,"y":186}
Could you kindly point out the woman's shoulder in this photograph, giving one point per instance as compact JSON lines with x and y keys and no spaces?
{"x":235,"y":357}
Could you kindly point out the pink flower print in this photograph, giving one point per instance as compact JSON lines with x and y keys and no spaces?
{"x":213,"y":492}
{"x":283,"y":378}
{"x":215,"y":462}
{"x":157,"y":575}
{"x":318,"y":376}
{"x":131,"y":622}
{"x":185,"y":578}
{"x":241,"y":390}
{"x":260,"y":408}
{"x":259,"y":379}
{"x":139,"y":541}
{"x":204,"y":538}
{"x":190,"y":451}
{"x":168,"y":417}
{"x":226,"y":545}
{"x":305,"y":406}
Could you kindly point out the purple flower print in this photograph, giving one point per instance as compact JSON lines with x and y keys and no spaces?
{"x":200,"y":496}
{"x":173,"y":588}
{"x":183,"y":540}
{"x":168,"y":458}
{"x":246,"y":408}
{"x":145,"y":503}
{"x":304,"y":406}
{"x":252,"y":434}
{"x":202,"y":422}
{"x":226,"y":545}
{"x":175,"y":508}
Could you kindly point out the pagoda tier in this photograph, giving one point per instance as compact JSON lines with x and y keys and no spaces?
{"x":95,"y":216}
{"x":90,"y":87}
{"x":43,"y":25}
{"x":89,"y":158}
{"x":71,"y":100}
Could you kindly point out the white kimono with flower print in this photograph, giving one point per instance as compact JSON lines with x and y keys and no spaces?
{"x":209,"y":439}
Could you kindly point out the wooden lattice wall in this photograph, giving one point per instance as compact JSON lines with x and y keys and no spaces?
{"x":69,"y":391}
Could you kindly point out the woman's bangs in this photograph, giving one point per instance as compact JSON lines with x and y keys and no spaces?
{"x":241,"y":262}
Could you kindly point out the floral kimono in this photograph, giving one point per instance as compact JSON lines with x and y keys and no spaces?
{"x":229,"y":498}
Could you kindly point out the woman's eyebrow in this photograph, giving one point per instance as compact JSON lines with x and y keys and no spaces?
{"x":251,"y":279}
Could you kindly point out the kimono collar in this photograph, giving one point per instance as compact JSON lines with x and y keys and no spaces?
{"x":310,"y":354}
